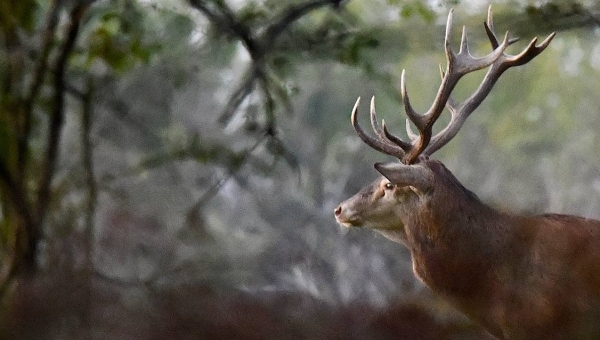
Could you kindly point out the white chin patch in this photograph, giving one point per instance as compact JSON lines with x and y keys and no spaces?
{"x":346,"y":224}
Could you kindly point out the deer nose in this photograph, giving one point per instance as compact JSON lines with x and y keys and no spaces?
{"x":338,"y":210}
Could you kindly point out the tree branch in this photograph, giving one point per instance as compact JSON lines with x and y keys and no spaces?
{"x":36,"y":85}
{"x":56,"y":118}
{"x":238,"y":96}
{"x":16,"y":193}
{"x":224,"y":17}
{"x":292,"y":14}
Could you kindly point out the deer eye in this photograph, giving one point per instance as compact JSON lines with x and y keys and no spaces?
{"x":389,"y":186}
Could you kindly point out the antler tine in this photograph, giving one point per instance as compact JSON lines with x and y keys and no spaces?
{"x":530,"y":52}
{"x":377,"y":144}
{"x":383,"y":134}
{"x":489,"y":28}
{"x":464,"y":47}
{"x":410,"y":132}
{"x":447,"y":47}
{"x":504,"y":62}
{"x":526,"y":55}
{"x":374,"y":123}
{"x":404,"y":145}
{"x":408,"y":109}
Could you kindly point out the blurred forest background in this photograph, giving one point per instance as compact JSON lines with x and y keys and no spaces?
{"x":169,"y":168}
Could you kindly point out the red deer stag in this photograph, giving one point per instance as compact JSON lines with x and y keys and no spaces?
{"x":521,"y":277}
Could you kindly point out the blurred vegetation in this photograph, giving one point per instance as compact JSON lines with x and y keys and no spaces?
{"x":155,"y":152}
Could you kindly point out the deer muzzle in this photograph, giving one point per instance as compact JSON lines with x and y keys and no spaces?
{"x":346,"y":216}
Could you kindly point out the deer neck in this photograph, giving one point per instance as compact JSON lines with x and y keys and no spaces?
{"x":396,"y":235}
{"x":455,"y":242}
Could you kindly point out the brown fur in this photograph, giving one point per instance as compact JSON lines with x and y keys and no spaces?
{"x":521,"y":277}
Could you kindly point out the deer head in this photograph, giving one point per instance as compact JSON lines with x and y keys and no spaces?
{"x":405,"y":186}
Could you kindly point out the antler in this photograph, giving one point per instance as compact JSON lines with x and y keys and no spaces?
{"x":458,"y":64}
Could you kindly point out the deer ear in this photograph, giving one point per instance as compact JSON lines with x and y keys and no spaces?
{"x":415,"y":175}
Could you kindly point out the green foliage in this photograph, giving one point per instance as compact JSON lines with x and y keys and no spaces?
{"x":417,"y":8}
{"x":350,"y":52}
{"x":118,"y":40}
{"x":18,"y":14}
{"x":253,"y":14}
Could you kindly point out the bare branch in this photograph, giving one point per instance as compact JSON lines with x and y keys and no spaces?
{"x":57,"y":115}
{"x":36,"y":85}
{"x":16,"y":193}
{"x":292,"y":14}
{"x":224,"y":17}
{"x":212,"y":191}
{"x":240,"y":94}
